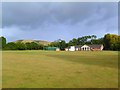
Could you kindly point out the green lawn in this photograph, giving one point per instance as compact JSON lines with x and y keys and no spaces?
{"x":51,"y":69}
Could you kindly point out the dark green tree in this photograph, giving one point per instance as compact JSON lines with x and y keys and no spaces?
{"x":11,"y":46}
{"x":62,"y":45}
{"x":20,"y":46}
{"x":2,"y":42}
{"x":74,"y":41}
{"x":111,"y":42}
{"x":70,"y":43}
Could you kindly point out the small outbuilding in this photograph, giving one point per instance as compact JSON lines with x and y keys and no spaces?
{"x":51,"y":48}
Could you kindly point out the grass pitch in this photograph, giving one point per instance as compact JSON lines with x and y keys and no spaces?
{"x":51,"y":69}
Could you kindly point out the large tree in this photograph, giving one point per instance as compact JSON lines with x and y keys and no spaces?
{"x":111,"y":41}
{"x":59,"y":43}
{"x":62,"y":45}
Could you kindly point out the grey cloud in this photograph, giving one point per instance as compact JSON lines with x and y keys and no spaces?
{"x":37,"y":14}
{"x":103,"y":13}
{"x":53,"y":20}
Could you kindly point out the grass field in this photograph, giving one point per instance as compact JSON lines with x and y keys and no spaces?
{"x":51,"y":69}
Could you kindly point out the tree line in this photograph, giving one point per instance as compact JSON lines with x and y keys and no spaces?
{"x":19,"y":45}
{"x":110,"y":42}
{"x":77,"y":41}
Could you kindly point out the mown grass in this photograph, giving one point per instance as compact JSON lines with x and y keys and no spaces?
{"x":51,"y":69}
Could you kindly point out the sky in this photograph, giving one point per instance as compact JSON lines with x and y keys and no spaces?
{"x":58,"y":20}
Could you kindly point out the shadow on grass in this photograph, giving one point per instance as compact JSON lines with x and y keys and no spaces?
{"x":104,"y":61}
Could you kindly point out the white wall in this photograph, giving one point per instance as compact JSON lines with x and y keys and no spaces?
{"x":101,"y":48}
{"x":72,"y":48}
{"x":66,"y":49}
{"x":85,"y":48}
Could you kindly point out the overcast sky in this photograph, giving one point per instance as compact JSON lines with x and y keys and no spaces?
{"x":52,"y":21}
